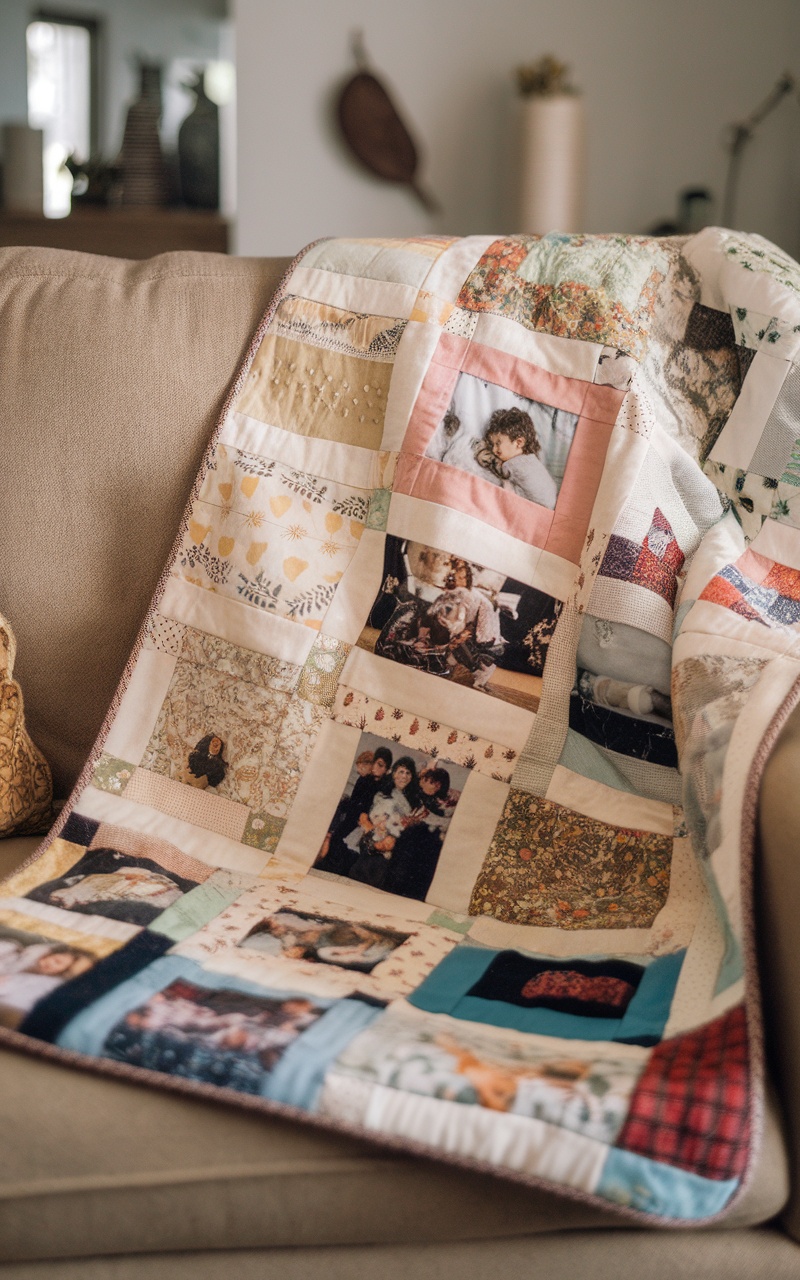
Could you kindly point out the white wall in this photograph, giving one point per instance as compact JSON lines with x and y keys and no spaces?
{"x":661,"y":80}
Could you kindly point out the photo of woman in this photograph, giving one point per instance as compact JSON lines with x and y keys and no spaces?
{"x":396,"y":841}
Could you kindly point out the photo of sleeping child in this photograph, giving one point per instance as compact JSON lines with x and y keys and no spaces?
{"x":453,"y":618}
{"x":513,"y":442}
{"x":347,"y":944}
{"x":225,"y":1037}
{"x":32,"y":966}
{"x":390,"y":824}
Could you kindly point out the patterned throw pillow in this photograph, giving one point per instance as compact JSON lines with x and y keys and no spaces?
{"x":26,"y":786}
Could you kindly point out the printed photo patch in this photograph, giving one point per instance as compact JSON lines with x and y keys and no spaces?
{"x":347,"y":944}
{"x":303,"y":940}
{"x":390,"y":824}
{"x":134,"y":887}
{"x":440,"y":1057}
{"x":270,"y":536}
{"x":462,"y":622}
{"x":505,"y":438}
{"x":550,"y":866}
{"x":509,"y":443}
{"x":31,"y":967}
{"x":224,"y":1036}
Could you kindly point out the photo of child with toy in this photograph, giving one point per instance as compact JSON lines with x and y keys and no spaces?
{"x":516,"y":443}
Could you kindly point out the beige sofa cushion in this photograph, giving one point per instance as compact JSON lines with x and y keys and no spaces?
{"x":114,"y":374}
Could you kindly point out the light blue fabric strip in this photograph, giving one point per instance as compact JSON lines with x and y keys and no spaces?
{"x":639,"y":1183}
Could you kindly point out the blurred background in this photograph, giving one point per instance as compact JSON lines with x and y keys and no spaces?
{"x":215,"y":123}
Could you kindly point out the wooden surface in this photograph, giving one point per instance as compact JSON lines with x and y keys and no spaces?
{"x":118,"y":232}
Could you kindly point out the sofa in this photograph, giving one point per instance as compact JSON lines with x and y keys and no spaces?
{"x":113,"y":376}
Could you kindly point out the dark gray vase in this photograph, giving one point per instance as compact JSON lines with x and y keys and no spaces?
{"x":198,"y":151}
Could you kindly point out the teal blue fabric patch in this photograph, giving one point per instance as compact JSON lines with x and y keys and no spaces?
{"x":447,"y":990}
{"x":581,"y":756}
{"x":639,"y":1183}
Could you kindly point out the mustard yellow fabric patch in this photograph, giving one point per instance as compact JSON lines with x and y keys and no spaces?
{"x":26,"y":785}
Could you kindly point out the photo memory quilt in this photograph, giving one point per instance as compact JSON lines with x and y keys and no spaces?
{"x":426,"y":807}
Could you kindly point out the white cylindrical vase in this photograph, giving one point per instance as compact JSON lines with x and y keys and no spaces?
{"x":552,"y":163}
{"x":23,"y":172}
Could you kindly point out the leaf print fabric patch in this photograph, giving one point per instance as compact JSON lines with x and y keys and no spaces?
{"x":550,"y":866}
{"x":270,"y":536}
{"x":429,"y":736}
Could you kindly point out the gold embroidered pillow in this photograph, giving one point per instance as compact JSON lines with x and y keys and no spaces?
{"x":26,"y":786}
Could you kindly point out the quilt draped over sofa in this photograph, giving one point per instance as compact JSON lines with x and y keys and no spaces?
{"x":426,"y":807}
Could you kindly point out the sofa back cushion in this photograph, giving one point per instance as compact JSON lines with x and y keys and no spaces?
{"x":114,"y":375}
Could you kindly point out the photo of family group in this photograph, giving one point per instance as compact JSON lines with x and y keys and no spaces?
{"x":31,"y":966}
{"x":516,"y":443}
{"x":453,"y":618}
{"x":392,"y":818}
{"x":347,"y":944}
{"x":225,"y":1037}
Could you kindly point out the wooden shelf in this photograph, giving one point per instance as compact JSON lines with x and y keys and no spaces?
{"x":118,"y":232}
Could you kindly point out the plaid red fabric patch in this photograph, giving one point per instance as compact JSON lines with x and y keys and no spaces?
{"x":690,"y":1107}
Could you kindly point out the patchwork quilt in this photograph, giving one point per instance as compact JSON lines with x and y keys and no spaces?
{"x":426,"y":806}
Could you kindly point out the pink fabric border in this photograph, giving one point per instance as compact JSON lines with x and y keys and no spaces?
{"x":561,"y":531}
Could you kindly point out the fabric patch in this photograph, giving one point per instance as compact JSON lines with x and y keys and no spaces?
{"x":773,"y":600}
{"x":709,"y":330}
{"x":392,"y":819}
{"x":610,"y":1000}
{"x":775,"y":453}
{"x":550,"y":866}
{"x":655,"y":565}
{"x":651,"y":740}
{"x":690,"y":1107}
{"x":593,"y":989}
{"x":319,"y":678}
{"x":350,"y":332}
{"x":428,"y":736}
{"x":615,"y":369}
{"x":460,"y":621}
{"x":313,"y":391}
{"x":405,"y":261}
{"x":271,"y":536}
{"x":164,"y":634}
{"x":303,"y":939}
{"x":594,"y":288}
{"x":111,"y":774}
{"x":227,"y":725}
{"x":440,"y":1057}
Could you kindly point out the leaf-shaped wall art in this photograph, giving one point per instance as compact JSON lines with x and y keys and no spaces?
{"x":374,"y":130}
